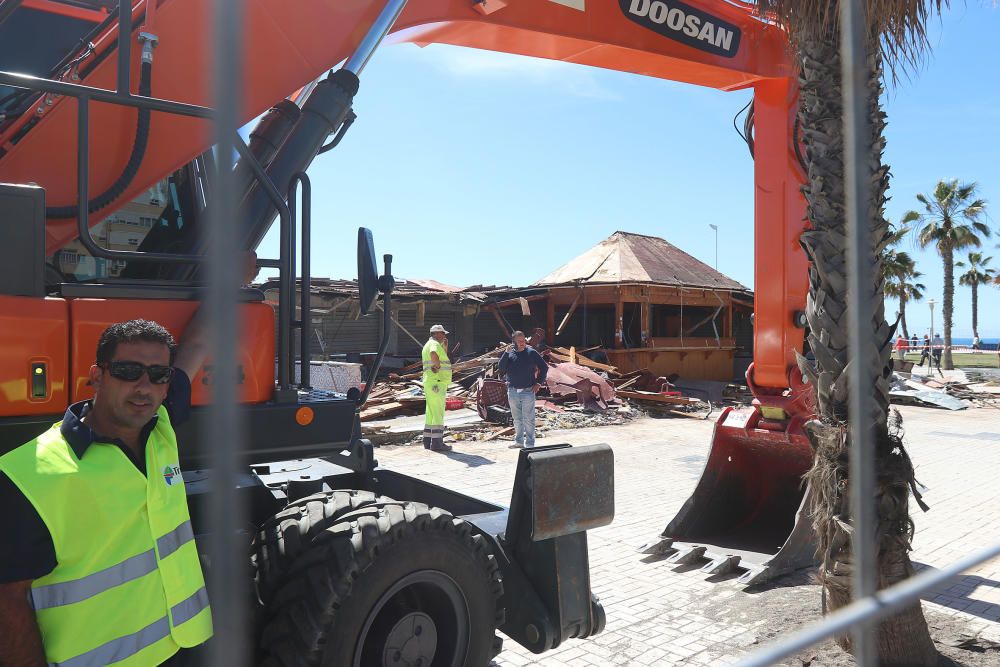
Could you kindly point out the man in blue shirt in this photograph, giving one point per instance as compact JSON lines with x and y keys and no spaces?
{"x":526,"y":371}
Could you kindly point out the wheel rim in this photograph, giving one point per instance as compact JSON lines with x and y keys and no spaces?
{"x":421,"y":621}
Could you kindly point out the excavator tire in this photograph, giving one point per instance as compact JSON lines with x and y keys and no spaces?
{"x":349,"y":578}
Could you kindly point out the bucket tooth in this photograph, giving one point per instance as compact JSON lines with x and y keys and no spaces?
{"x":687,"y":555}
{"x":658,"y":547}
{"x":722,"y":565}
{"x":755,"y":576}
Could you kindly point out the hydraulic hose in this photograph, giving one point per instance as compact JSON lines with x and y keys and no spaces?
{"x":134,"y":160}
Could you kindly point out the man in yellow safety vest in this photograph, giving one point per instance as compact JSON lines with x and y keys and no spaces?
{"x":437,"y":377}
{"x":98,"y":562}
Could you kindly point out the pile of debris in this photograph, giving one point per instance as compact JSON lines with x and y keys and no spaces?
{"x":403,"y":392}
{"x":546,"y":419}
{"x":957,"y":390}
{"x":579,"y":391}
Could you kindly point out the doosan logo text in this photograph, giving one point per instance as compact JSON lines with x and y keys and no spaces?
{"x":685,"y":24}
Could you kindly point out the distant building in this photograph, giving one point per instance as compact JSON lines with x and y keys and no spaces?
{"x":340,"y":332}
{"x":647,"y":303}
{"x":122,"y":230}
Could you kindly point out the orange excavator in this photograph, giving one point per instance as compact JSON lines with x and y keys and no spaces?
{"x":100,"y":100}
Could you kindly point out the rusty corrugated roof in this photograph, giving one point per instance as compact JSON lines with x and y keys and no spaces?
{"x":422,"y":288}
{"x":624,"y":257}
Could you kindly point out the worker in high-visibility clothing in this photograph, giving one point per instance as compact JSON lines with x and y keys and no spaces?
{"x":437,"y":377}
{"x":98,"y":562}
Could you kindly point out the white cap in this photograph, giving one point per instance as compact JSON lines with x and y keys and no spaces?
{"x":438,"y":328}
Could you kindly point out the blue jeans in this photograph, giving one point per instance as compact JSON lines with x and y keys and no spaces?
{"x":522,"y":409}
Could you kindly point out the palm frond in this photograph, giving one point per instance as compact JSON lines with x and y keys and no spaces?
{"x":899,"y":27}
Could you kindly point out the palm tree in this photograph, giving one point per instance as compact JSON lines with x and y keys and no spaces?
{"x":979,"y":272}
{"x":899,"y":270}
{"x":896,"y":37}
{"x":952,"y":220}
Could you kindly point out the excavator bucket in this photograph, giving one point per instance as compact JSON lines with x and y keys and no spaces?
{"x":747,"y":512}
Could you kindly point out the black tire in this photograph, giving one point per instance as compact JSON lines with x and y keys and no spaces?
{"x":350,"y":579}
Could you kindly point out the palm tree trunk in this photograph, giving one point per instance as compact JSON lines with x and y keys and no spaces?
{"x":903,"y":639}
{"x":975,"y":308}
{"x":902,"y":316}
{"x":947,"y":307}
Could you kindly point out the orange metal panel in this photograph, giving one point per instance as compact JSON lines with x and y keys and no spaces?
{"x":288,"y":44}
{"x":91,"y":317}
{"x":33,"y":331}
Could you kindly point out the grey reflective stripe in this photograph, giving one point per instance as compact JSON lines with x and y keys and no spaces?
{"x":185,"y":610}
{"x":70,"y":592}
{"x":119,"y":649}
{"x":174,"y":540}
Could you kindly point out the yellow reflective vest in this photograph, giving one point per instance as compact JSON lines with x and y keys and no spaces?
{"x":127,"y":588}
{"x":444,"y":374}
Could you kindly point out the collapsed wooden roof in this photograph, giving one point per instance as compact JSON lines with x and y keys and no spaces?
{"x":624,"y":257}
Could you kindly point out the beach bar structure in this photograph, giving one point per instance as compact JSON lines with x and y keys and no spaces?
{"x":648,"y":304}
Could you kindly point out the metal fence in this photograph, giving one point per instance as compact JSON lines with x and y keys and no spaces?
{"x":230,"y":645}
{"x":860,"y":617}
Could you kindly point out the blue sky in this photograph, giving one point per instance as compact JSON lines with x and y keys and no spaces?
{"x":474,"y":167}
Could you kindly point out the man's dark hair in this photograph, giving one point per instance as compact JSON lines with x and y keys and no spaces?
{"x":133,"y":331}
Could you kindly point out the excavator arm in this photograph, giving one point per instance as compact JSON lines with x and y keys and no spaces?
{"x":719,"y":44}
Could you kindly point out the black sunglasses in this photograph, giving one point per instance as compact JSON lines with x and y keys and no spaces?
{"x":131,"y":371}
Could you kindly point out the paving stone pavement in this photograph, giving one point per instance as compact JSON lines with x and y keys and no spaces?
{"x":662,"y":614}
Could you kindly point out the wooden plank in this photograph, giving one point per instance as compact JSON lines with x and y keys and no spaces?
{"x":503,"y":325}
{"x":566,"y":356}
{"x":569,"y":313}
{"x":516,"y":301}
{"x":550,"y":319}
{"x":657,"y":398}
{"x":619,"y":318}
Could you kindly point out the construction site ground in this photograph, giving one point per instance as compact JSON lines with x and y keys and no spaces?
{"x":663,"y":614}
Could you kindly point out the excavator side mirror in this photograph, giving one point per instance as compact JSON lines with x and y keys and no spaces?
{"x":367,"y":270}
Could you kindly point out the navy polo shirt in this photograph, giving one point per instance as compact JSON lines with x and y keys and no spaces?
{"x":26,"y":551}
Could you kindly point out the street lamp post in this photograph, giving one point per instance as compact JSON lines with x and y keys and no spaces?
{"x":931,"y":302}
{"x":716,"y":229}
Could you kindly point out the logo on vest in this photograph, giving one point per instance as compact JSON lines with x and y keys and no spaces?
{"x":172,"y":474}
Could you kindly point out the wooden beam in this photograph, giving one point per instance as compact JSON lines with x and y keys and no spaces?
{"x":729,"y":317}
{"x":503,"y":325}
{"x":516,"y":301}
{"x":569,"y":313}
{"x":619,"y":317}
{"x":401,"y":327}
{"x":644,"y":331}
{"x":550,"y":320}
